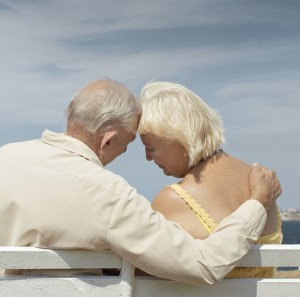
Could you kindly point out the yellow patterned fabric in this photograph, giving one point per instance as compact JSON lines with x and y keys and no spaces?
{"x":210,"y":225}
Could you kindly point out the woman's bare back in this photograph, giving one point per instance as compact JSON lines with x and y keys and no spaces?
{"x":220,"y":185}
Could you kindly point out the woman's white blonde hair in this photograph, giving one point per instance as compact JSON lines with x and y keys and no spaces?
{"x":172,"y":111}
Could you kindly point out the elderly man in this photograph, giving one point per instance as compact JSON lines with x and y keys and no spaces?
{"x":56,"y":193}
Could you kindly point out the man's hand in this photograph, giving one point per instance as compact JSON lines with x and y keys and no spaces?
{"x":264,"y":185}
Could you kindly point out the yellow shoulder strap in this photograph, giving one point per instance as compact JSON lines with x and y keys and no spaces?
{"x":208,"y":223}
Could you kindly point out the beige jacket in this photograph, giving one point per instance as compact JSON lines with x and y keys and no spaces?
{"x":55,"y":193}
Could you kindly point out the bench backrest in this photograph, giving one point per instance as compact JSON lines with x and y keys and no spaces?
{"x":128,"y":285}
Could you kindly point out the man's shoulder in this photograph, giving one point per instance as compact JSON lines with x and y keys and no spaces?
{"x":18,"y":147}
{"x":109,"y":180}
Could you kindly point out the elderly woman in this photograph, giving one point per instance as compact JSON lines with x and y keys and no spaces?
{"x":184,"y":137}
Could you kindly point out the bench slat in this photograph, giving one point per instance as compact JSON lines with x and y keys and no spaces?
{"x":30,"y":258}
{"x":285,"y":255}
{"x":145,"y":287}
{"x":60,"y":287}
{"x":35,"y":258}
{"x":226,"y":288}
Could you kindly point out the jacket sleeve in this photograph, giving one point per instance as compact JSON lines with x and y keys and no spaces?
{"x":162,"y":248}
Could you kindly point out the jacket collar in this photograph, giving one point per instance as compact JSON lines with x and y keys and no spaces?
{"x":70,"y":144}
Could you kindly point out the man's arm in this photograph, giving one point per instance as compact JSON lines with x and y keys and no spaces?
{"x":162,"y":248}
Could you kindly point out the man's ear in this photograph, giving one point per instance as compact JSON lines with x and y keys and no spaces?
{"x":107,"y":138}
{"x":105,"y":147}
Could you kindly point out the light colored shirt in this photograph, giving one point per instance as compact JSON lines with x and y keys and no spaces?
{"x":55,"y":193}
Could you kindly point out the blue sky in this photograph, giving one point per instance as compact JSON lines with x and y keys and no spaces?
{"x":241,"y":57}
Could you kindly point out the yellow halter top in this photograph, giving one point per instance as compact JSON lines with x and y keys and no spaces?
{"x":209,"y":224}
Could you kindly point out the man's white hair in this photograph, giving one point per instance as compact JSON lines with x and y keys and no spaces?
{"x":102,"y":104}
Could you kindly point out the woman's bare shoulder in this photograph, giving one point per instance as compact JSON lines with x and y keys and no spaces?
{"x":167,"y":202}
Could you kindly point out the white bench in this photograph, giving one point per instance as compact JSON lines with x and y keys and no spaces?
{"x":127,"y":285}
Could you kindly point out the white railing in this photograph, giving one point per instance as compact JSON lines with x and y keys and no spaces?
{"x":128,"y":285}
